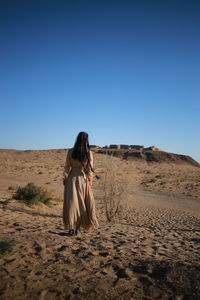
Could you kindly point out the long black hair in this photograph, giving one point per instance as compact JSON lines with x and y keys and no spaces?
{"x":81,"y":148}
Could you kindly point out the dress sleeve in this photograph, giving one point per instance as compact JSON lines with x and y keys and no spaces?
{"x":67,"y":167}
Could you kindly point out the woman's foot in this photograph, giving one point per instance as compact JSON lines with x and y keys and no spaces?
{"x":77,"y":231}
{"x":71,"y":232}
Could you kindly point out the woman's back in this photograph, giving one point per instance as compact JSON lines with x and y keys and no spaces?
{"x":76,"y":164}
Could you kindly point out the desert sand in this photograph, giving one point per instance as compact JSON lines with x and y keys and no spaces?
{"x":151,"y":250}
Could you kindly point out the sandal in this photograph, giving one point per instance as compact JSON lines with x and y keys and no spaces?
{"x":77,"y":231}
{"x":71,"y":232}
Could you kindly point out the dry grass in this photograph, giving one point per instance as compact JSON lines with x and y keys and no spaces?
{"x":114,"y":188}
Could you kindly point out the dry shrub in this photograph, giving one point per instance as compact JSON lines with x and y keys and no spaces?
{"x":114,"y":188}
{"x":32,"y":194}
{"x":6,"y":246}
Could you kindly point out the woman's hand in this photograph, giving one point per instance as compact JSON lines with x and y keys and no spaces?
{"x":89,"y":179}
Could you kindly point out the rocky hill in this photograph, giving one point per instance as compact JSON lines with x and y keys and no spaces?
{"x":150,"y":156}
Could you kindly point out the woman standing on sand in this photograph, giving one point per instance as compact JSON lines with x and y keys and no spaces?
{"x":79,"y":205}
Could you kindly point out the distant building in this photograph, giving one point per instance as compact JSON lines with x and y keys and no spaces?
{"x":124,"y":147}
{"x":128,"y":147}
{"x":114,"y":146}
{"x":94,"y":146}
{"x":152,"y":148}
{"x":137,"y":147}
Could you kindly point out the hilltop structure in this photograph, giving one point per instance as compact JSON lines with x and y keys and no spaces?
{"x":149,"y":154}
{"x":126,"y":147}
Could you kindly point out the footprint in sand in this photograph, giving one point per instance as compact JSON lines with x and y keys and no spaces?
{"x":104,"y":254}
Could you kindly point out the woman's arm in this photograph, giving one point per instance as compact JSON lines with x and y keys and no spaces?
{"x":91,"y":164}
{"x":67,"y":167}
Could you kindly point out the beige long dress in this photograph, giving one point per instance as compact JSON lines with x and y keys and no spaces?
{"x":79,"y":205}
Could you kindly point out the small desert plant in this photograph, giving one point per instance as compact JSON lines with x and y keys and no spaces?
{"x":162,"y":182}
{"x":158,"y":176}
{"x":152,"y":180}
{"x":11,"y":188}
{"x":6,"y":246}
{"x":32,"y":194}
{"x":147,"y":171}
{"x":114,"y":188}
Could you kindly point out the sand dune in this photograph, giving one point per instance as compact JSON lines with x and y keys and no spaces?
{"x":150,"y":251}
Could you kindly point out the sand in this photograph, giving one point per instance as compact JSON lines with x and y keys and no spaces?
{"x":151,"y":250}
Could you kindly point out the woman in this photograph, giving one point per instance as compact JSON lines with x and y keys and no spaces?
{"x":79,"y":205}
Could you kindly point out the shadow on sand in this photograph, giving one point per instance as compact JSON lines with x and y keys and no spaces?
{"x":32,"y":213}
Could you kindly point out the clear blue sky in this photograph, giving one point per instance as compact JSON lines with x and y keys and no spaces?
{"x":124,"y":71}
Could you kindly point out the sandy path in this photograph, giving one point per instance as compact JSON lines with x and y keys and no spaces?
{"x":161,"y":200}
